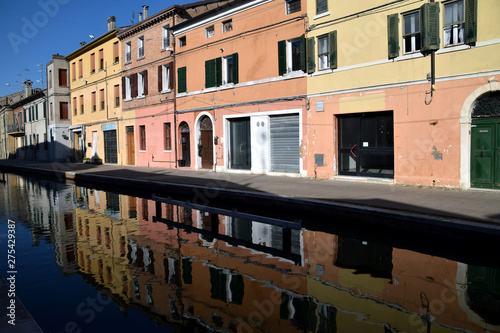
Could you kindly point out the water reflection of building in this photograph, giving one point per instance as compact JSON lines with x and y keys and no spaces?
{"x":183,"y":266}
{"x":102,"y":232}
{"x":48,"y":209}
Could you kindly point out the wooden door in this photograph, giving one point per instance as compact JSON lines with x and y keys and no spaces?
{"x":130,"y":145}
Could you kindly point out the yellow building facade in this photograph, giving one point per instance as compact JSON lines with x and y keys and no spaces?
{"x":394,"y":89}
{"x":95,"y":80}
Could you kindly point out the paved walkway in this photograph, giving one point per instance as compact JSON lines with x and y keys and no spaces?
{"x":468,"y":205}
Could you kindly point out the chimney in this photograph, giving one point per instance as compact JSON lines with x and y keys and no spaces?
{"x":6,"y":100}
{"x":140,"y":17}
{"x":27,"y":85}
{"x":111,"y":23}
{"x":145,"y":11}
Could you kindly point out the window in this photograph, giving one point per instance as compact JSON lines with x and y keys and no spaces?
{"x":323,"y":54}
{"x":51,"y":111}
{"x":81,"y":104}
{"x":75,"y":107}
{"x":411,"y":32}
{"x":101,"y":98}
{"x":128,"y":52}
{"x":92,"y":63}
{"x":94,"y":102}
{"x":165,"y":33}
{"x":454,"y":23}
{"x":140,"y":85}
{"x":63,"y":77}
{"x":290,"y":56}
{"x":230,"y":69}
{"x":128,"y":88}
{"x":142,"y":137}
{"x":140,"y":47}
{"x":164,"y":77}
{"x":182,"y":41}
{"x":221,"y":71}
{"x":227,"y":26}
{"x":73,"y":69}
{"x":80,"y":68}
{"x":292,"y":6}
{"x":101,"y":59}
{"x":63,"y":110}
{"x":321,"y":6}
{"x":210,"y":32}
{"x":50,"y":79}
{"x":116,"y":52}
{"x":167,"y":135}
{"x":117,"y":95}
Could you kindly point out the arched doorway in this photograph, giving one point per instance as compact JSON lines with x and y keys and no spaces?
{"x":206,"y":144}
{"x":485,"y":141}
{"x":185,"y":156}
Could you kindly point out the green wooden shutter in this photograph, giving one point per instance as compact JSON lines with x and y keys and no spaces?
{"x":311,"y":63}
{"x":235,"y":68}
{"x":218,"y":72}
{"x":281,"y":57}
{"x":303,"y":54}
{"x":393,"y":35}
{"x":470,"y":22}
{"x":182,"y":80}
{"x":210,"y":73}
{"x":429,"y":27}
{"x":332,"y":45}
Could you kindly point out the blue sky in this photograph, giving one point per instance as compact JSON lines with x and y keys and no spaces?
{"x":33,"y":30}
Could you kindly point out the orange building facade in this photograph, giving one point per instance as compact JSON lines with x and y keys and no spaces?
{"x":241,"y":89}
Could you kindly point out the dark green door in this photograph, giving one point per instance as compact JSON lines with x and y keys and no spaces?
{"x":485,"y":153}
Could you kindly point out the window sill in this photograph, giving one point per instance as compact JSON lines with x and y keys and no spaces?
{"x":321,"y":15}
{"x":408,"y":56}
{"x":142,"y":151}
{"x":322,"y":72}
{"x":127,"y":99}
{"x":166,"y":91}
{"x":293,"y":74}
{"x":141,"y":97}
{"x":453,"y":48}
{"x":141,"y":58}
{"x":167,"y":151}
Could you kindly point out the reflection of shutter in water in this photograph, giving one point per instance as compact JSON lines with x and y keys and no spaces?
{"x":218,"y":284}
{"x":483,"y":292}
{"x":187,"y":269}
{"x":242,"y":229}
{"x":366,"y":258}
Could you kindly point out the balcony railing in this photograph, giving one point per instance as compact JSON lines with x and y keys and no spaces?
{"x":15,"y":128}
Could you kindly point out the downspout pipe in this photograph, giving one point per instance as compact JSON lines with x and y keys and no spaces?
{"x":174,"y":89}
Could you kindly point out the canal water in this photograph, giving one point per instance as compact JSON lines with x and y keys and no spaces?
{"x":93,"y":261}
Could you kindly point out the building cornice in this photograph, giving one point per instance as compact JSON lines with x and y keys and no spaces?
{"x":93,"y":44}
{"x":150,"y":21}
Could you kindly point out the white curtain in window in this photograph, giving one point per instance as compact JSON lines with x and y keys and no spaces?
{"x":165,"y":78}
{"x":323,"y":51}
{"x":454,"y":13}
